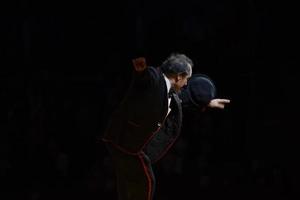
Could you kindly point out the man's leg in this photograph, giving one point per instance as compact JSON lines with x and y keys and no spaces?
{"x":135,"y":178}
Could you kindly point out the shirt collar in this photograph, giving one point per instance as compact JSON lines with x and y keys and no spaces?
{"x":168,"y":83}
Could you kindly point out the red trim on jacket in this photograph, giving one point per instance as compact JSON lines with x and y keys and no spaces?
{"x":127,"y":151}
{"x":119,"y":147}
{"x":142,"y":146}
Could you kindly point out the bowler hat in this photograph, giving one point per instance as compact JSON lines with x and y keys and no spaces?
{"x":199,"y":92}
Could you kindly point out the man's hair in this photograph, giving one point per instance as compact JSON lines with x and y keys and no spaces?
{"x":177,"y":64}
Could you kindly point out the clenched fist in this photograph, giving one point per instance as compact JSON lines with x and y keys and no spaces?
{"x":139,"y":64}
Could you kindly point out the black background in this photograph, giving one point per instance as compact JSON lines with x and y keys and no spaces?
{"x":65,"y":65}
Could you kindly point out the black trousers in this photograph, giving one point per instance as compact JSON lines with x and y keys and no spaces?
{"x":134,"y":174}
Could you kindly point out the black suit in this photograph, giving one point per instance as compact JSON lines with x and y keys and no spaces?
{"x":140,"y":132}
{"x":142,"y":113}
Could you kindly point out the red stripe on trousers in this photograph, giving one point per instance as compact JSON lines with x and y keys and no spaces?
{"x":148,"y":177}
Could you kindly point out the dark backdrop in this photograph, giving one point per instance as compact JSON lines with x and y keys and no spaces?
{"x":65,"y":65}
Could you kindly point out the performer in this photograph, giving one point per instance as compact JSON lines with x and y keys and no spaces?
{"x":148,"y":121}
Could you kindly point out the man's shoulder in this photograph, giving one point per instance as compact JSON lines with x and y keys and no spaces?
{"x":155,"y":72}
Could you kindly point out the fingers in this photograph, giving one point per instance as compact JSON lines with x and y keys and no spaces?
{"x":221,"y":106}
{"x":224,"y":101}
{"x":218,"y":103}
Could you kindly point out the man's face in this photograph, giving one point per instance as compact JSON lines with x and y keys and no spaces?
{"x":181,"y":80}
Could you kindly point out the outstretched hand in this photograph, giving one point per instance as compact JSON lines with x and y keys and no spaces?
{"x":218,"y":103}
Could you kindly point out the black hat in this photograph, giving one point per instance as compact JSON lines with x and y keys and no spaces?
{"x":199,"y":92}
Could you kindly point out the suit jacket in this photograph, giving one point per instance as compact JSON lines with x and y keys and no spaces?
{"x":142,"y":114}
{"x":163,"y":140}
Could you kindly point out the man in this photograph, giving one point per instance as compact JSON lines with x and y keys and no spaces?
{"x":148,"y":121}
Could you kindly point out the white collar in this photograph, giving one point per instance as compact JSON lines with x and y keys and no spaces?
{"x":168,"y":83}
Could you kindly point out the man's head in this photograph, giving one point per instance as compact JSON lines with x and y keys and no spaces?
{"x":178,"y":68}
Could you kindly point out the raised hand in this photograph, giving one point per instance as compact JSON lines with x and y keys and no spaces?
{"x":139,"y":64}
